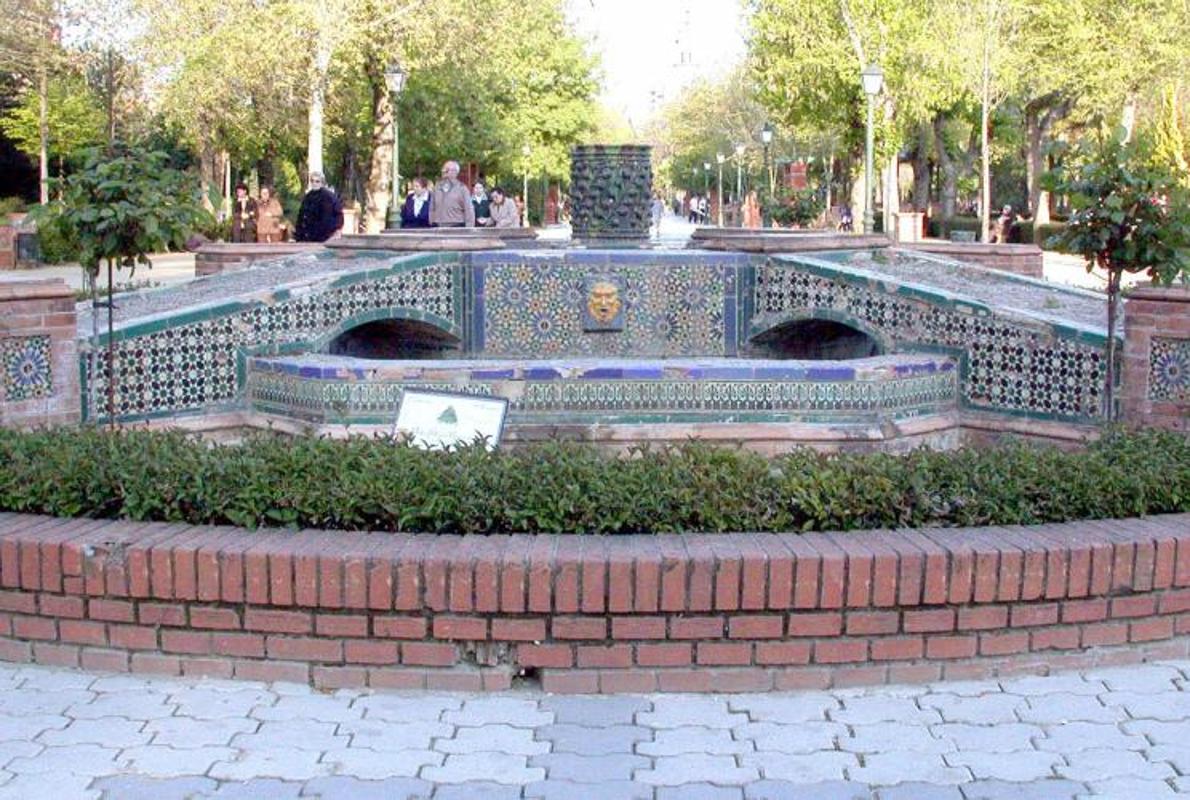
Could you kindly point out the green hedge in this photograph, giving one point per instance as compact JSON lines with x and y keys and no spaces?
{"x":941,"y":229}
{"x":371,"y":484}
{"x":1041,"y":234}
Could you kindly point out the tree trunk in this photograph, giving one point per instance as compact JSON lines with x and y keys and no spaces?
{"x":921,"y":170}
{"x":109,"y":90}
{"x":1113,"y":303}
{"x":378,"y":191}
{"x":1038,"y":198}
{"x":985,"y":157}
{"x":1128,"y":116}
{"x":43,"y":134}
{"x":948,"y":169}
{"x":322,"y":63}
{"x":892,"y":194}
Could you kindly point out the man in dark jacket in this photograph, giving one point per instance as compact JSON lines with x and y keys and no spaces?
{"x":321,"y":215}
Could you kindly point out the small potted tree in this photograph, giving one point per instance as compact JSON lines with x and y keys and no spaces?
{"x":1128,"y":215}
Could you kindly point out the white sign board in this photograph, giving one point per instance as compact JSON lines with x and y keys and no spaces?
{"x":441,"y":419}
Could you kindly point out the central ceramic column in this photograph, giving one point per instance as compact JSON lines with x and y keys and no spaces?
{"x":610,"y":190}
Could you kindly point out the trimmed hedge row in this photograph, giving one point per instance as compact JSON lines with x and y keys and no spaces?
{"x":380,"y":484}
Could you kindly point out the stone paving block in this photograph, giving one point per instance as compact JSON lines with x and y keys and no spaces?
{"x":1023,"y":766}
{"x":827,"y":765}
{"x":136,"y":787}
{"x":699,"y":791}
{"x":1003,"y":738}
{"x":1101,"y":765}
{"x":675,"y":741}
{"x":373,"y":765}
{"x":1158,"y":732}
{"x":288,"y":763}
{"x":477,"y":791}
{"x":492,"y":767}
{"x":785,"y":708}
{"x":24,"y":701}
{"x":806,"y":737}
{"x":21,"y":728}
{"x":339,"y":787}
{"x":981,"y":710}
{"x":1035,"y":685}
{"x":295,"y":734}
{"x":114,"y":732}
{"x":258,"y":789}
{"x":158,"y":761}
{"x":1075,"y":736}
{"x":963,"y":688}
{"x":132,"y":683}
{"x":394,"y":736}
{"x":495,"y":738}
{"x":787,"y":790}
{"x":595,"y":712}
{"x":589,"y":769}
{"x":58,"y":786}
{"x":1171,"y":705}
{"x":910,"y":738}
{"x":130,"y":705}
{"x":77,"y":759}
{"x":676,"y":770}
{"x":607,"y":790}
{"x":318,"y":707}
{"x":1054,"y":709}
{"x":1177,"y":756}
{"x":1040,"y":790}
{"x":891,"y":768}
{"x":869,"y":709}
{"x":185,"y":732}
{"x":405,"y":708}
{"x":593,"y":741}
{"x":1181,"y":784}
{"x":1152,"y":679}
{"x":919,"y":791}
{"x":1129,"y":789}
{"x":678,"y":711}
{"x":11,"y":750}
{"x":208,"y":703}
{"x":498,"y":710}
{"x":46,"y":679}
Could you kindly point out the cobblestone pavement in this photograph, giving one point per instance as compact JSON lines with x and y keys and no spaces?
{"x":1122,"y":733}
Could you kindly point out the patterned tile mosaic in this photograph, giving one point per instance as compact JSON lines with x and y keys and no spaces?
{"x":27,"y":368}
{"x":1169,"y":369}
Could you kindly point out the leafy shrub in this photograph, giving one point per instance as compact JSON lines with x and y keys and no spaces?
{"x":11,"y":205}
{"x":1040,"y":234}
{"x":54,"y":238}
{"x":380,"y":484}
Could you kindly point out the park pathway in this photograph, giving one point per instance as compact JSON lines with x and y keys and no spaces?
{"x":1119,"y":733}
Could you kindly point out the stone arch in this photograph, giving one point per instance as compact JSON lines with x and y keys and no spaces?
{"x":817,"y":335}
{"x":392,"y":333}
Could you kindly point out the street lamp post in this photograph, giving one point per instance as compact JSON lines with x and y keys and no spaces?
{"x":739,"y":179}
{"x":525,"y":151}
{"x":873,"y":80}
{"x":720,"y":158}
{"x":394,"y":79}
{"x":766,"y":136}
{"x":706,"y":178}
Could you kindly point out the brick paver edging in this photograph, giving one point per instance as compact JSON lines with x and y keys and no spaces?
{"x":737,"y":612}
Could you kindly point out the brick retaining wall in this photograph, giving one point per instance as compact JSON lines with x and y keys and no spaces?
{"x":739,"y":612}
{"x":1019,"y":259}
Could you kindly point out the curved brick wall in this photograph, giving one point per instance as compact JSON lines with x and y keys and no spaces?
{"x":739,"y":612}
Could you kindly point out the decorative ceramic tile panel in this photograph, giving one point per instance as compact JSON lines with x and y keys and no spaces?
{"x":1009,"y":365}
{"x":27,"y":367}
{"x":1169,"y":369}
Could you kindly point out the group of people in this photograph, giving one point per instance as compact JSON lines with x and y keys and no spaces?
{"x":263,"y":220}
{"x":450,"y":204}
{"x":698,"y":209}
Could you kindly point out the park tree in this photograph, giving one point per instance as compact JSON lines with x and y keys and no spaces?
{"x":73,"y":121}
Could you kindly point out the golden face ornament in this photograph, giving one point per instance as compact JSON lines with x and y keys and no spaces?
{"x":603,"y":302}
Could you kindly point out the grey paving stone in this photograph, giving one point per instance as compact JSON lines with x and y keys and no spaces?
{"x":20,"y":728}
{"x":339,"y":787}
{"x":24,"y":702}
{"x":677,"y":770}
{"x":1178,"y":756}
{"x":870,"y":709}
{"x":1004,"y":738}
{"x":891,"y":768}
{"x":257,"y":790}
{"x":11,"y":750}
{"x":1129,"y":789}
{"x":785,"y":708}
{"x":477,"y":791}
{"x":826,"y":765}
{"x":159,"y":761}
{"x":1168,"y":706}
{"x":493,"y":738}
{"x":588,"y":769}
{"x":136,"y":787}
{"x":130,"y":705}
{"x":699,"y":791}
{"x":1158,"y":732}
{"x":77,"y":759}
{"x":203,"y":702}
{"x":294,"y":734}
{"x":1152,"y":678}
{"x":675,"y":741}
{"x":982,"y":710}
{"x":1066,"y":683}
{"x":499,"y":710}
{"x":116,"y":732}
{"x":678,"y":711}
{"x":318,"y":707}
{"x":595,"y":712}
{"x":1054,"y":709}
{"x":131,"y":683}
{"x":405,"y":708}
{"x":1023,"y":766}
{"x":491,"y":767}
{"x":593,"y":741}
{"x":48,"y":679}
{"x":376,"y":734}
{"x":608,"y":790}
{"x":186,"y":732}
{"x":806,"y":737}
{"x":53,"y":786}
{"x":375,"y":765}
{"x":1101,"y":765}
{"x":788,"y":790}
{"x":919,"y":791}
{"x":1039,"y":790}
{"x":882,"y":735}
{"x":1075,"y":736}
{"x":286,"y":763}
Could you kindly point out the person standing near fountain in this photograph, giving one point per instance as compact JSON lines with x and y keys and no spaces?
{"x":450,"y":205}
{"x":321,"y":215}
{"x":504,"y":211}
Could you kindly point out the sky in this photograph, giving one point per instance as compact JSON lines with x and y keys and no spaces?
{"x":652,"y":48}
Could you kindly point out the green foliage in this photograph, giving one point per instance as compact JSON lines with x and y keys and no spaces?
{"x":371,"y":484}
{"x":55,"y":240}
{"x":11,"y":205}
{"x":74,"y":118}
{"x":943,"y":228}
{"x":1040,"y":234}
{"x":792,"y":207}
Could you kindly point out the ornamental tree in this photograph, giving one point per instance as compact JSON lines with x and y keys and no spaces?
{"x":1128,"y":216}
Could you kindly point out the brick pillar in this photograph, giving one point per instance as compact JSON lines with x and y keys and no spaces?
{"x":39,"y":369}
{"x":8,"y":247}
{"x":1156,"y":381}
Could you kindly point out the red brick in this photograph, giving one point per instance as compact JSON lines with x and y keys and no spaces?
{"x":769,"y":626}
{"x":133,"y":637}
{"x":982,"y":618}
{"x":304,"y":648}
{"x":341,"y":625}
{"x":934,"y":620}
{"x":269,"y":671}
{"x":1175,"y":602}
{"x":671,"y":654}
{"x":496,"y":680}
{"x":399,"y":627}
{"x":1143,"y":605}
{"x":77,"y":631}
{"x":34,"y":628}
{"x":914,"y":673}
{"x":518,"y":630}
{"x":192,"y":642}
{"x":104,"y":660}
{"x":472,"y":629}
{"x":19,"y":602}
{"x":111,"y":610}
{"x":268,"y":621}
{"x":1182,"y":624}
{"x":636,"y":681}
{"x":570,"y":682}
{"x":696,"y":627}
{"x":724,"y":653}
{"x":684,"y":680}
{"x":827,"y":623}
{"x":225,"y":619}
{"x":617,"y":656}
{"x":1094,"y":610}
{"x":742,"y":680}
{"x":15,"y":652}
{"x":1004,"y":643}
{"x":897,"y":648}
{"x":802,"y":679}
{"x":428,"y":654}
{"x":647,"y":589}
{"x":402,"y":678}
{"x":840,"y":651}
{"x":1034,"y":614}
{"x":1056,"y":638}
{"x":56,"y":655}
{"x":162,"y":614}
{"x":208,"y":668}
{"x":242,"y":645}
{"x":867,"y":623}
{"x":579,"y":627}
{"x":454,"y":681}
{"x":1151,"y":629}
{"x":638,"y":627}
{"x":951,"y":646}
{"x":783,"y":653}
{"x":53,"y":605}
{"x":560,"y":656}
{"x":371,"y":652}
{"x":1105,"y":633}
{"x":862,"y":675}
{"x":156,"y":664}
